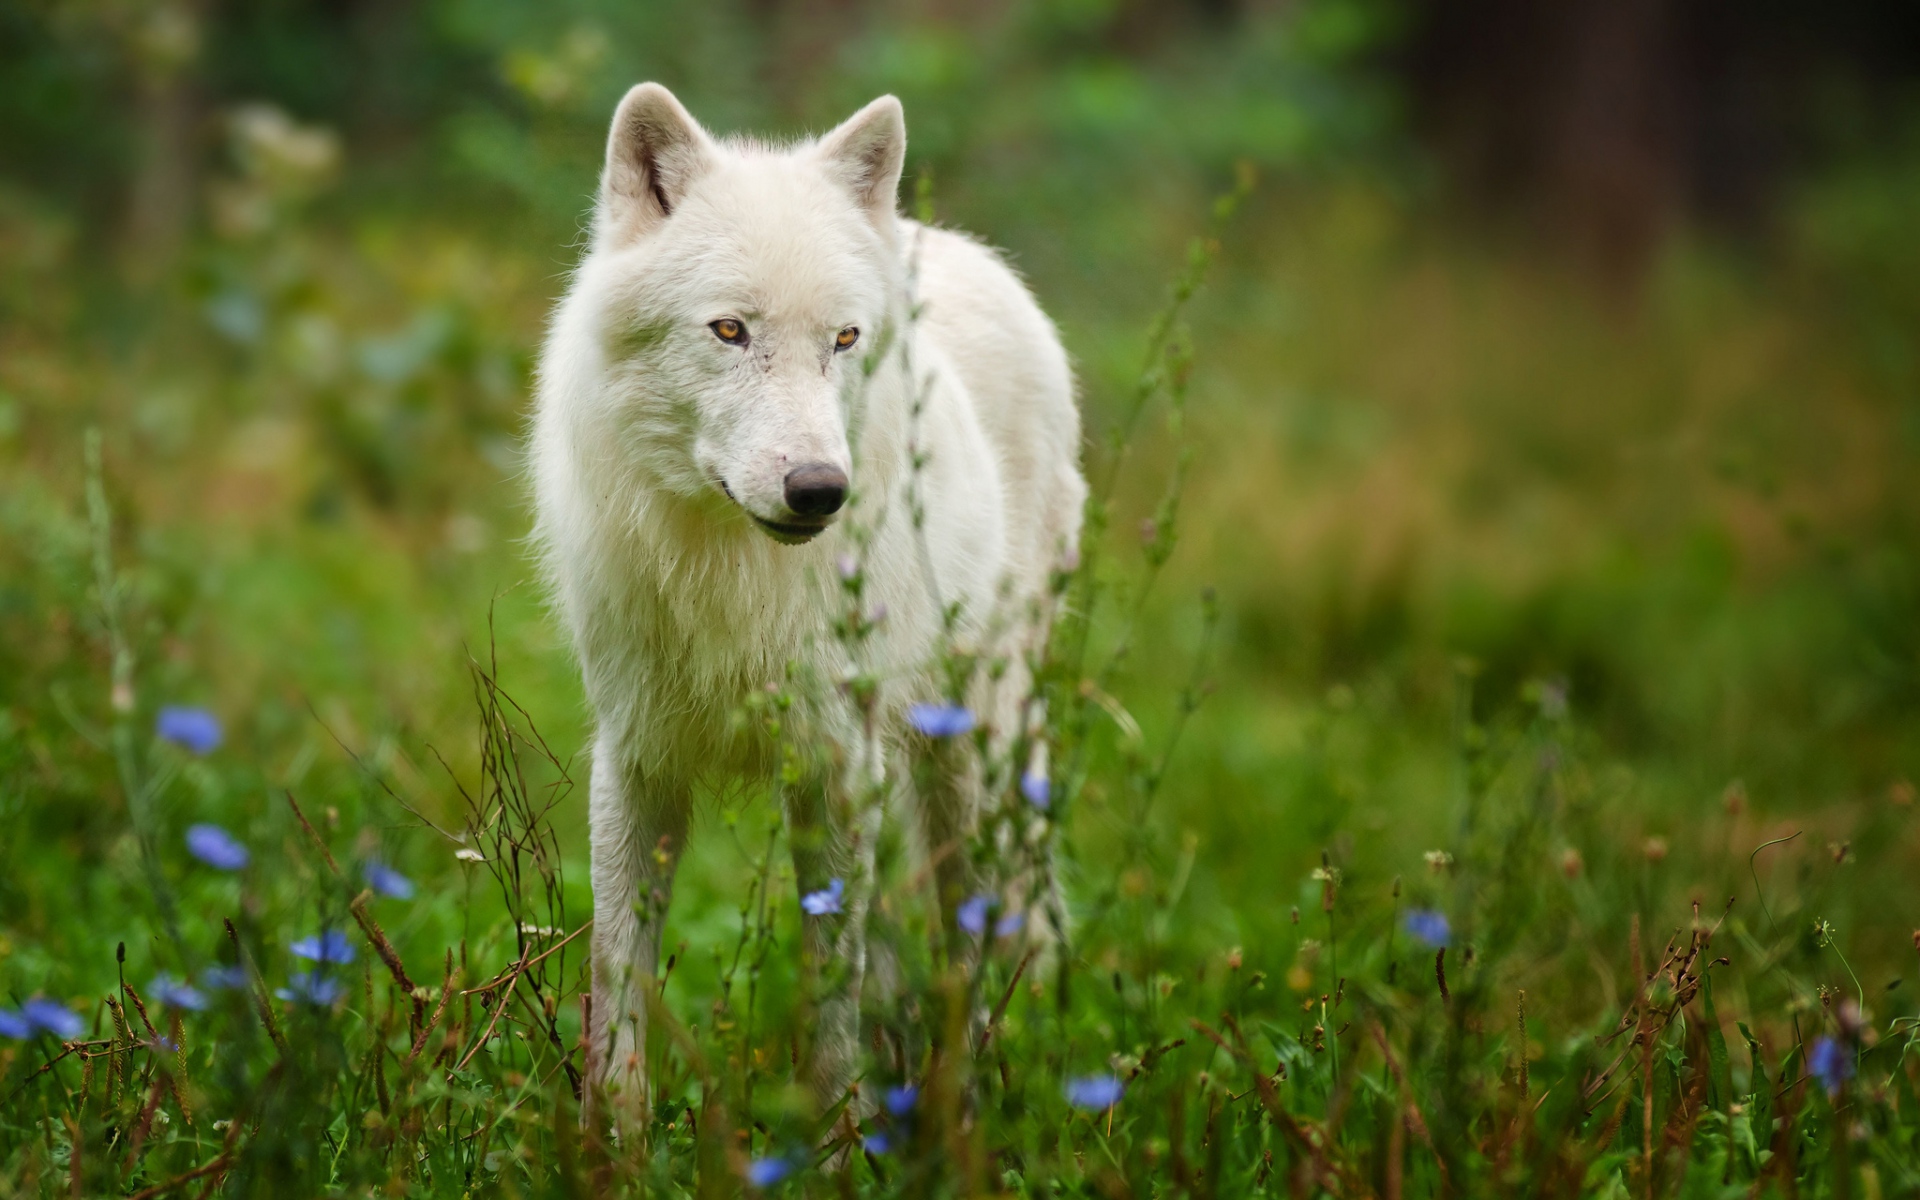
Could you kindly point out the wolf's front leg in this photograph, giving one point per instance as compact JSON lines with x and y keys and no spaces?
{"x":832,"y":830}
{"x":638,"y":827}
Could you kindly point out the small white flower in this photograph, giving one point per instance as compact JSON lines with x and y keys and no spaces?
{"x":467,"y":854}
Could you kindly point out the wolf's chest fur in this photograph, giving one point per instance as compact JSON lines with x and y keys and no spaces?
{"x":681,"y":629}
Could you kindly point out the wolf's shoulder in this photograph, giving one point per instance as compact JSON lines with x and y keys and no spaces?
{"x":972,"y":298}
{"x":940,"y":256}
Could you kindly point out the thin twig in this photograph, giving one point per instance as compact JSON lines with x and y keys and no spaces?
{"x":1000,"y":1009}
{"x":1413,"y":1115}
{"x":218,"y":1163}
{"x":66,"y":1048}
{"x":530,"y":963}
{"x":257,"y":988}
{"x":145,"y":1123}
{"x":1752,"y":869}
{"x":513,"y":977}
{"x":433,"y":1022}
{"x":313,"y":835}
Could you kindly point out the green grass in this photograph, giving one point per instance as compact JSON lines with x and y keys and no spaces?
{"x":1547,"y":618}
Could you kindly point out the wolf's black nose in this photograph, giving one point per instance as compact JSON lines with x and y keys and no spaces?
{"x":816,"y":489}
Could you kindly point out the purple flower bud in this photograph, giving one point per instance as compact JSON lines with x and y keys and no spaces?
{"x":51,"y":1016}
{"x":1038,"y":790}
{"x":328,"y":946}
{"x":218,"y":978}
{"x":387,"y":881}
{"x":900,"y":1100}
{"x":1830,"y":1063}
{"x":310,"y":987}
{"x":1428,"y":926}
{"x":174,"y":994}
{"x":826,"y":900}
{"x":1095,"y":1093}
{"x":972,"y":913}
{"x":216,"y":847}
{"x":941,"y":720}
{"x":195,"y":728}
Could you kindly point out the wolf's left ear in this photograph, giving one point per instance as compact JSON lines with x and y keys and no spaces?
{"x":867,"y":152}
{"x":654,"y":151}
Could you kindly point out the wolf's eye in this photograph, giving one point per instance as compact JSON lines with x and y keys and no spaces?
{"x":730,"y":331}
{"x":845,"y":339}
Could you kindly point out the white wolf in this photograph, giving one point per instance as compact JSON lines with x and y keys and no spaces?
{"x":737,"y":358}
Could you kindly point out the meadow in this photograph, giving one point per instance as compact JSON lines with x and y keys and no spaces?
{"x":1482,"y":733}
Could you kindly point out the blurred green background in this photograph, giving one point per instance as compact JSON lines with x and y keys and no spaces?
{"x":1564,"y":350}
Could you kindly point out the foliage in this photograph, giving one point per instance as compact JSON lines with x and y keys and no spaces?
{"x":1397,"y":863}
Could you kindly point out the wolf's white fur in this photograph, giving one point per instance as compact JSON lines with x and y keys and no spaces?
{"x":658,"y":447}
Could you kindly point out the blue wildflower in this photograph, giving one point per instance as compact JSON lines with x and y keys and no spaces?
{"x":387,"y":881}
{"x":1035,"y":786}
{"x":175,"y":994}
{"x":310,"y":987}
{"x":1428,"y":925}
{"x":765,"y":1172}
{"x":1830,"y":1063}
{"x":51,"y":1016}
{"x":941,"y":720}
{"x":195,"y":728}
{"x":1009,"y":924}
{"x":328,"y":946}
{"x":1096,"y":1093}
{"x":216,"y":847}
{"x":877,"y":1143}
{"x":826,"y":900}
{"x":972,"y":913}
{"x":220,"y":978}
{"x":900,"y":1100}
{"x":15,"y":1025}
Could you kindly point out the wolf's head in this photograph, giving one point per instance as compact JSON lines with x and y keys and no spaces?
{"x":739,"y":289}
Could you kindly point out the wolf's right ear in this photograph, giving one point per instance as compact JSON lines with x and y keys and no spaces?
{"x":654,"y":151}
{"x":867,"y":152}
